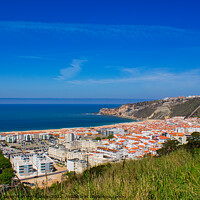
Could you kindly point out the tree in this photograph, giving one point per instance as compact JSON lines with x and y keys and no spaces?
{"x":110,"y":137}
{"x":168,"y":146}
{"x":4,"y":162}
{"x":193,"y":141}
{"x":97,"y":138}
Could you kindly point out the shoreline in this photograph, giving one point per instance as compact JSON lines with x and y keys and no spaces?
{"x":78,"y":127}
{"x":59,"y":129}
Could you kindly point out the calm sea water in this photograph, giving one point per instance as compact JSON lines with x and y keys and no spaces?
{"x":40,"y":116}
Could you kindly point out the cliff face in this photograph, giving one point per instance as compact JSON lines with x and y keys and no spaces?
{"x":158,"y":109}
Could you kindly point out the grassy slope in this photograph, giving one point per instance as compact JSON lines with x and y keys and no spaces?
{"x":175,"y":176}
{"x":186,"y":108}
{"x":180,"y":109}
{"x":144,"y":113}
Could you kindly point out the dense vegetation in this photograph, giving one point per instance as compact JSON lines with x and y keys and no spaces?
{"x":175,"y":174}
{"x":6,"y":172}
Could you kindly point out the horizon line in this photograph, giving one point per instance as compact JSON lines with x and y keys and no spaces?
{"x":65,"y":98}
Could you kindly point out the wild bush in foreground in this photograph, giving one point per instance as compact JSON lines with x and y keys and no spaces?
{"x":173,"y":176}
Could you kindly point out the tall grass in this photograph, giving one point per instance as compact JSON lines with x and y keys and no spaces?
{"x":174,"y":176}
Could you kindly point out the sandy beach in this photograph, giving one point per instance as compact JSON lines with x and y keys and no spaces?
{"x":75,"y":128}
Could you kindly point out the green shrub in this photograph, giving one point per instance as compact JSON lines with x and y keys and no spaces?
{"x":7,"y":172}
{"x":172,"y":176}
{"x":6,"y":176}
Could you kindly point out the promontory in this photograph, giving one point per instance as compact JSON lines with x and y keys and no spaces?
{"x":157,"y":109}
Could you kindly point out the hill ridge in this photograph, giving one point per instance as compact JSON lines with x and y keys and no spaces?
{"x":157,"y":109}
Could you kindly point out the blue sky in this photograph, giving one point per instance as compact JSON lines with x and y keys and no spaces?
{"x":99,"y":49}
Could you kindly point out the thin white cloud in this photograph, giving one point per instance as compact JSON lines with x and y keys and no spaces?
{"x":134,"y":32}
{"x":73,"y":70}
{"x":189,"y":77}
{"x":132,"y":70}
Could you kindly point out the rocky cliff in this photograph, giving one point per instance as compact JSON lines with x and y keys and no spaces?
{"x":158,"y":109}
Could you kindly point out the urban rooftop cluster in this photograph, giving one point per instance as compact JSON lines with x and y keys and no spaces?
{"x":80,"y":148}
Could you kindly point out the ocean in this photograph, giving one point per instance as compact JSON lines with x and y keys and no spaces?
{"x":21,"y":117}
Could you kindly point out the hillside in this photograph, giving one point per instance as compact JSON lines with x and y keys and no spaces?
{"x":158,"y":109}
{"x":173,"y":176}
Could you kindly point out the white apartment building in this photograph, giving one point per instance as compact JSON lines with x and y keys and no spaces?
{"x":58,"y":152}
{"x":11,"y":138}
{"x":22,"y":164}
{"x":69,"y":137}
{"x":28,"y":137}
{"x":180,"y":130}
{"x":42,"y":163}
{"x":73,"y":145}
{"x":88,"y":145}
{"x":44,"y":136}
{"x":83,"y":145}
{"x":76,"y":165}
{"x":31,"y":164}
{"x":2,"y":137}
{"x":95,"y":159}
{"x":110,"y":153}
{"x":193,"y":129}
{"x":76,"y":154}
{"x":20,"y":136}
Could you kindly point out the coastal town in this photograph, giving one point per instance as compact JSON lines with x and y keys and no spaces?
{"x":44,"y":155}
